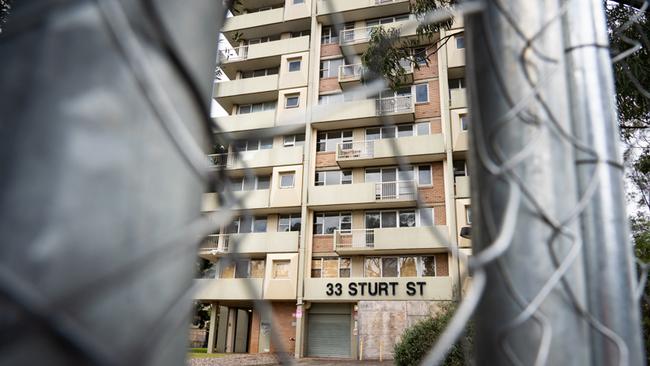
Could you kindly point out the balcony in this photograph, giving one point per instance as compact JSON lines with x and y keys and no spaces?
{"x":352,"y":10}
{"x":363,"y":195}
{"x":433,"y":288}
{"x":248,"y":200}
{"x":261,"y":55}
{"x":413,"y":149}
{"x":229,"y":289}
{"x":391,"y":240}
{"x":267,"y":22}
{"x":258,"y":159}
{"x":245,"y":91}
{"x":462,"y":187}
{"x":457,"y":98}
{"x":362,"y":113}
{"x":249,"y":243}
{"x":351,"y":75}
{"x":238,"y":123}
{"x":355,"y":40}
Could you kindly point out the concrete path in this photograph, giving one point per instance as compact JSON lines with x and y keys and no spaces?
{"x":268,"y":359}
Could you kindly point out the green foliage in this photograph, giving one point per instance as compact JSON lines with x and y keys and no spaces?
{"x":201,"y":314}
{"x":418,"y":340}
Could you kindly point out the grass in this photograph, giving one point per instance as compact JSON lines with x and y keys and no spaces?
{"x":202,"y":353}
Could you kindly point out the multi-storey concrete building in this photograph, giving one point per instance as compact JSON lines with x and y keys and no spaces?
{"x":333,"y":238}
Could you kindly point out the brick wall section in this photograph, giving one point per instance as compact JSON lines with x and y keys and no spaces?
{"x":327,"y":50}
{"x":440,"y":215}
{"x":431,"y":109}
{"x":442,"y":265}
{"x":329,"y":85}
{"x":427,"y":72}
{"x":254,"y":341}
{"x":436,"y":126}
{"x":325,"y":159}
{"x":283,"y":325}
{"x":435,"y":193}
{"x":323,"y":244}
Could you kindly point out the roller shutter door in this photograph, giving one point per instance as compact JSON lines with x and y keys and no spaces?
{"x":328,"y":335}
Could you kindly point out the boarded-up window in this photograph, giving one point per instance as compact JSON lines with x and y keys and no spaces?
{"x":372,"y":268}
{"x":331,"y":267}
{"x":316,"y":268}
{"x":257,"y":268}
{"x":280,"y":269}
{"x":228,"y":271}
{"x":428,"y":266}
{"x":407,"y":267}
{"x":344,"y":269}
{"x":389,"y":267}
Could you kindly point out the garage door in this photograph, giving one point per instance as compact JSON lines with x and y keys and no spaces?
{"x":328,"y":335}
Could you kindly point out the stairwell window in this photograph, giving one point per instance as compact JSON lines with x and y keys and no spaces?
{"x":294,"y":64}
{"x":422,"y":93}
{"x":287,"y":179}
{"x":292,"y":101}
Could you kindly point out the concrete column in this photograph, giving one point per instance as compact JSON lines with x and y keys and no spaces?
{"x":212,"y":332}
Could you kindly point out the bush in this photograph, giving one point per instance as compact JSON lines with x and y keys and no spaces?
{"x":418,"y":340}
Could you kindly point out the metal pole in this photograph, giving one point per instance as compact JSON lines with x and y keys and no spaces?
{"x":608,"y":256}
{"x":526,"y":235}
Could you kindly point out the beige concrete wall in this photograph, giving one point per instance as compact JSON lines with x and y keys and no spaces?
{"x":286,"y":197}
{"x":461,"y":220}
{"x":276,"y":156}
{"x":294,"y":79}
{"x":419,"y":237}
{"x":296,"y":11}
{"x":458,"y":98}
{"x":274,"y":242}
{"x":277,"y":48}
{"x":459,"y":136}
{"x":259,"y":84}
{"x":281,"y":289}
{"x":411,"y":145}
{"x":345,"y":110}
{"x":342,"y":194}
{"x":455,"y":56}
{"x":243,"y":122}
{"x":435,"y":288}
{"x":287,"y":115}
{"x":462,"y":187}
{"x":229,"y":289}
{"x":256,"y":19}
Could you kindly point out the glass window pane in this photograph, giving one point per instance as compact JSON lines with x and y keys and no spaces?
{"x":272,"y":71}
{"x":283,"y":223}
{"x":249,"y":183}
{"x":407,"y":218}
{"x":423,"y":128}
{"x":389,"y":175}
{"x":330,"y":267}
{"x":460,"y":42}
{"x":292,"y":101}
{"x":371,"y":267}
{"x":332,"y":177}
{"x":263,"y":182}
{"x":389,"y":267}
{"x":346,"y":177}
{"x":372,"y":220}
{"x":258,"y":73}
{"x":233,"y":228}
{"x":228,"y":270}
{"x":245,"y":109}
{"x":426,"y":216}
{"x":259,"y":225}
{"x":287,"y":180}
{"x":330,"y":223}
{"x":268,"y":106}
{"x":389,"y":219}
{"x":407,"y":267}
{"x":320,"y":179}
{"x":257,"y":268}
{"x":424,"y":174}
{"x":404,"y":130}
{"x":422,"y":93}
{"x":241,"y":270}
{"x":294,"y":65}
{"x":373,"y":175}
{"x":405,"y":175}
{"x":428,"y":266}
{"x":295,"y":223}
{"x":373,"y":134}
{"x":388,"y":132}
{"x":316,"y":268}
{"x":266,"y":143}
{"x":236,"y":184}
{"x":346,"y":221}
{"x":246,"y":224}
{"x":280,"y":269}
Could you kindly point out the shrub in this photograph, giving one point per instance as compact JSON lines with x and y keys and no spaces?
{"x":418,"y":340}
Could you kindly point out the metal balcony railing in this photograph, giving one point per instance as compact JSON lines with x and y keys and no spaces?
{"x":216,"y":243}
{"x":355,"y":238}
{"x":401,"y":190}
{"x":403,"y":103}
{"x":355,"y":150}
{"x":223,"y":160}
{"x":350,"y":72}
{"x":234,"y":54}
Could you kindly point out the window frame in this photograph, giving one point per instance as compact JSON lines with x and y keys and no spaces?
{"x":324,"y":142}
{"x":463,"y":120}
{"x":423,"y":123}
{"x":289,"y":217}
{"x":286,"y":174}
{"x":288,"y":97}
{"x":468,"y":214}
{"x":459,"y":37}
{"x":397,"y":213}
{"x":338,"y":269}
{"x":415,"y":92}
{"x":322,"y":215}
{"x":293,"y":61}
{"x":293,"y":140}
{"x":430,"y":168}
{"x":341,"y":180}
{"x":326,"y":65}
{"x":287,"y":262}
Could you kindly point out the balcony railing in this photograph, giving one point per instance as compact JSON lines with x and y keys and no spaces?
{"x":403,"y":103}
{"x":350,"y":72}
{"x":222,"y":160}
{"x":355,"y":150}
{"x":234,"y":54}
{"x":401,"y":190}
{"x":216,"y":243}
{"x":355,"y":238}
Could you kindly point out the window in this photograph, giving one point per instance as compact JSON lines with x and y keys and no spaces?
{"x":422,"y":93}
{"x":327,"y":141}
{"x":464,"y":122}
{"x":296,"y":2}
{"x":468,"y":214}
{"x":408,"y":267}
{"x":428,"y":266}
{"x":247,"y":224}
{"x":420,"y":55}
{"x":330,"y":267}
{"x":242,"y":268}
{"x":423,"y":128}
{"x":253,"y":145}
{"x":280,"y":269}
{"x":389,"y":132}
{"x":331,"y":98}
{"x":294,"y":64}
{"x":387,"y":20}
{"x":460,"y":41}
{"x":292,"y":101}
{"x":328,"y":36}
{"x":333,"y":177}
{"x":424,"y":175}
{"x":326,"y":223}
{"x":316,"y":267}
{"x":300,"y":34}
{"x":259,"y":224}
{"x":289,"y":222}
{"x":456,"y":83}
{"x":249,"y":183}
{"x":287,"y":179}
{"x":389,"y":267}
{"x":330,"y":68}
{"x":344,"y":267}
{"x":237,"y":269}
{"x":404,"y":130}
{"x":403,"y":266}
{"x":257,"y":107}
{"x":460,"y":168}
{"x":257,"y":268}
{"x":387,"y":175}
{"x":390,"y":218}
{"x":426,"y":215}
{"x":258,"y":73}
{"x":294,"y":140}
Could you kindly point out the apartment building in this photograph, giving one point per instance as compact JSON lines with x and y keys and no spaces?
{"x":328,"y":230}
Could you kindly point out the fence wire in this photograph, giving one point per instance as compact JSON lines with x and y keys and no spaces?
{"x":529,"y":248}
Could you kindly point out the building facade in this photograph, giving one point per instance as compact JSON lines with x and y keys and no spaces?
{"x":328,"y":230}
